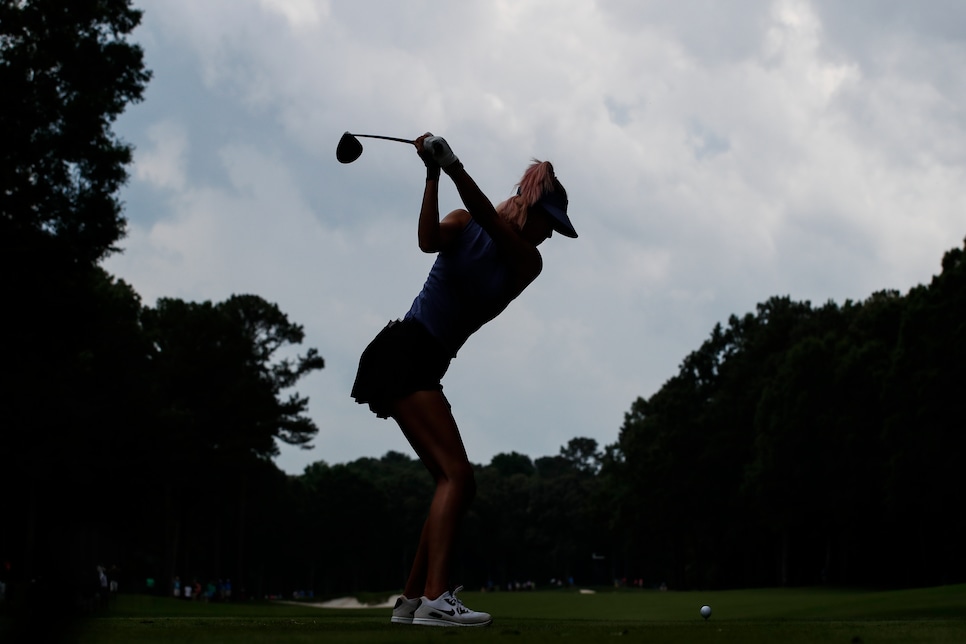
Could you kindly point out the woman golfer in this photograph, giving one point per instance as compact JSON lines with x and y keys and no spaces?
{"x":486,"y":257}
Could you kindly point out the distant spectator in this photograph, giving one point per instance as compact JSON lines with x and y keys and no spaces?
{"x":112,"y":575}
{"x":103,"y":587}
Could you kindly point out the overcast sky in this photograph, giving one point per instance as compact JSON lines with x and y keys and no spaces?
{"x":716,"y":154}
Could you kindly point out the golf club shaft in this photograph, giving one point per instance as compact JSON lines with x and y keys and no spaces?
{"x":385,"y":138}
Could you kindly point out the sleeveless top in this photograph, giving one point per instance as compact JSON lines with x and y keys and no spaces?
{"x":469,"y":285}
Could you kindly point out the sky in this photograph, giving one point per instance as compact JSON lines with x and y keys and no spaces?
{"x":715,"y":154}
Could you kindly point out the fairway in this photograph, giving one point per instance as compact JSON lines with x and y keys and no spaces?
{"x":747,"y":616}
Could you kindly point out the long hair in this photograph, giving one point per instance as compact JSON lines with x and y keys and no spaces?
{"x":537,"y":180}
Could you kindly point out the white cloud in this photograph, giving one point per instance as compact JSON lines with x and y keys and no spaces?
{"x":163,"y":166}
{"x":301,"y":14}
{"x":715,"y":156}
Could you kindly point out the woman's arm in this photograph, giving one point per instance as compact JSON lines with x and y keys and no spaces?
{"x":434,"y":235}
{"x":525,"y":257}
{"x":428,"y":231}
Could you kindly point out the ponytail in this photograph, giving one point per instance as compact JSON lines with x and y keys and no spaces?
{"x":537,"y":180}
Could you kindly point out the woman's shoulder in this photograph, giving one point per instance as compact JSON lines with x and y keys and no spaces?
{"x":451,"y":227}
{"x":459,"y":217}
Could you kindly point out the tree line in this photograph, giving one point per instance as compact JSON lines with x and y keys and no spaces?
{"x":806,"y":445}
{"x":798,"y":444}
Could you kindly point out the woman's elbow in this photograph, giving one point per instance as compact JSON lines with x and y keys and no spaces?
{"x":428,"y":245}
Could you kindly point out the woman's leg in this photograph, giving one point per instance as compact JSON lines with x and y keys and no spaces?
{"x":428,"y":424}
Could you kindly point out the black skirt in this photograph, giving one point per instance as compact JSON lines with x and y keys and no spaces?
{"x":402,"y":359}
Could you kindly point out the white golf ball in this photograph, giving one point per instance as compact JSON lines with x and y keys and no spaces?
{"x":706,"y":612}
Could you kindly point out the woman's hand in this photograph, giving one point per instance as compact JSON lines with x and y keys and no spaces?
{"x":442,"y":153}
{"x":432,"y":168}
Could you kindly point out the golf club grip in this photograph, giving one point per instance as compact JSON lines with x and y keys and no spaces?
{"x":384,"y":138}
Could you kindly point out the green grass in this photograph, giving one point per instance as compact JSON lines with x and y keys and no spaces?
{"x":787,"y":616}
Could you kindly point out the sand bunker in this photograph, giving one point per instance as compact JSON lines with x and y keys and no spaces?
{"x":346,"y":602}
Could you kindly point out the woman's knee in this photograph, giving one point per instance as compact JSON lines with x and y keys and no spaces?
{"x":462,"y":476}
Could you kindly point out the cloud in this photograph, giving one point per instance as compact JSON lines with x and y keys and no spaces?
{"x":300,"y":14}
{"x":715,"y":155}
{"x":163,"y":166}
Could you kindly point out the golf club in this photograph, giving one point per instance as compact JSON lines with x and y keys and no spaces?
{"x":349,"y":148}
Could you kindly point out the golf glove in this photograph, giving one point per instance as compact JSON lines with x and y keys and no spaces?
{"x":439,"y":148}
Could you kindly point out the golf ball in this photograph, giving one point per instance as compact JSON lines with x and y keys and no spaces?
{"x":706,"y":612}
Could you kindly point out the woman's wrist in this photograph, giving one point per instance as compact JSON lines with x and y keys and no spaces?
{"x":453,"y":167}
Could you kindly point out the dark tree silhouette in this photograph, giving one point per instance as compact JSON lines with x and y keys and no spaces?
{"x":67,"y":72}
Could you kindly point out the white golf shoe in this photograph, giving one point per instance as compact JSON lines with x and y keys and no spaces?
{"x":402,"y":612}
{"x":448,"y":610}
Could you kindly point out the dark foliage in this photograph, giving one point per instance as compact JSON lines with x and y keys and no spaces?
{"x":805,"y":445}
{"x":73,"y":349}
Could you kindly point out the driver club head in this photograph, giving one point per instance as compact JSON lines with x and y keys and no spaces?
{"x":349,"y":149}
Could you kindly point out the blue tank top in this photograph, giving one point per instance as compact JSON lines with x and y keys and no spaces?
{"x":469,"y":285}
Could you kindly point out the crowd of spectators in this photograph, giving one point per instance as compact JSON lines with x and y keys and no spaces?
{"x":212,"y":591}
